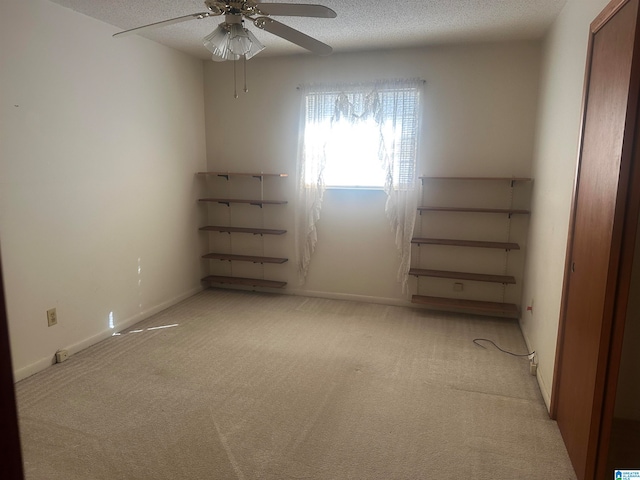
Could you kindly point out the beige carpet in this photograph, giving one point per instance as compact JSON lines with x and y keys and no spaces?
{"x":260,"y":386}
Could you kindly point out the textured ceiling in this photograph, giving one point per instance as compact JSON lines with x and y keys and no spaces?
{"x":360,"y":25}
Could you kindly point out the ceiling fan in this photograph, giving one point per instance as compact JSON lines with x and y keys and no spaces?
{"x":231,"y":41}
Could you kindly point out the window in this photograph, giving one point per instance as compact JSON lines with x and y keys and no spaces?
{"x":359,"y":136}
{"x":362,"y":135}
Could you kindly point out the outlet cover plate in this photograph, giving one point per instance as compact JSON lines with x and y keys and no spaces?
{"x":52,"y":317}
{"x":61,"y":356}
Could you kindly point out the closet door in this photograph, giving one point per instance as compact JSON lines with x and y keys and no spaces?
{"x":10,"y":453}
{"x":593,"y":251}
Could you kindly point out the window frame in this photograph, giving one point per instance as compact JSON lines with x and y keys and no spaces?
{"x":357,"y":96}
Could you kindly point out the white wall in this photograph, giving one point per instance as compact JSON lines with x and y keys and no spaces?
{"x":554,"y":171}
{"x":99,"y":141}
{"x":479,"y":119}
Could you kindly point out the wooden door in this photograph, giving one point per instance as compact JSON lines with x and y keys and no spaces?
{"x":593,"y":252}
{"x":10,"y":454}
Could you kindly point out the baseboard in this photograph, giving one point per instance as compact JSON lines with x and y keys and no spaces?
{"x":46,"y":362}
{"x":396,"y":302}
{"x":542,"y":384}
{"x":33,"y":368}
{"x":546,"y":395}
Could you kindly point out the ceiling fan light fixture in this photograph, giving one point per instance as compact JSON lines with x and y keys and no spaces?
{"x":217,"y":41}
{"x":231,"y":41}
{"x":256,"y":46}
{"x":239,"y":41}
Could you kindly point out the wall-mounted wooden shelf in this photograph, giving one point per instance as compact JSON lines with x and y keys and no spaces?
{"x":466,"y":243}
{"x":228,"y":188}
{"x":244,"y":258}
{"x":476,"y":277}
{"x":255,"y":231}
{"x":243,"y":174}
{"x":247,"y":282}
{"x":228,"y":201}
{"x":508,"y":211}
{"x":475,"y":307}
{"x":499,"y":179}
{"x":505,"y":193}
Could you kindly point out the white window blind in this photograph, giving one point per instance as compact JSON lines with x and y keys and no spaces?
{"x":362,"y":134}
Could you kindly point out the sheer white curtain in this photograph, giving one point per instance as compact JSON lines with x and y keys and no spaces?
{"x":391,"y":110}
{"x":310,"y":173}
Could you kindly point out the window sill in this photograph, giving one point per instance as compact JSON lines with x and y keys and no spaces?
{"x":347,"y":187}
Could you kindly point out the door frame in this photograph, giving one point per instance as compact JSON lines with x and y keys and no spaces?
{"x":627,"y":250}
{"x":620,"y":261}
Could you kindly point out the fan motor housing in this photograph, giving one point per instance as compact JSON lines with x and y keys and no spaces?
{"x":232,"y":8}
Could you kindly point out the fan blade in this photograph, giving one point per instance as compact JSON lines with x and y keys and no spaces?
{"x":171,"y":21}
{"x":293,"y":35}
{"x":296,"y":10}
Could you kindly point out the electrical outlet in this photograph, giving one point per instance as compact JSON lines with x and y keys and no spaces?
{"x":530,"y":307}
{"x":52,"y":317}
{"x":61,"y":356}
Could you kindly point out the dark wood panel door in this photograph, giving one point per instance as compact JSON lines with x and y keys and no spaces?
{"x":594,"y":245}
{"x":10,"y":453}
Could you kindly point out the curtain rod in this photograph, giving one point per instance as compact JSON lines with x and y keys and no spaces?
{"x":298,"y":87}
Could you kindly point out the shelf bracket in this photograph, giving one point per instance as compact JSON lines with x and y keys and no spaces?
{"x":225,"y":176}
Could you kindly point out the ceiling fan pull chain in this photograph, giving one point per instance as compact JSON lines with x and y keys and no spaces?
{"x":235,"y":86}
{"x":244,"y":62}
